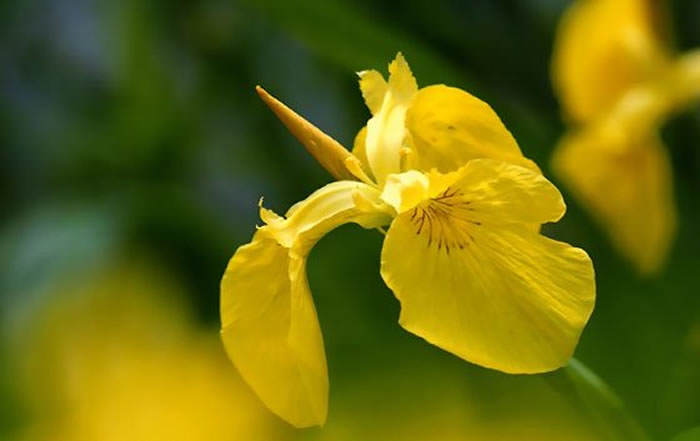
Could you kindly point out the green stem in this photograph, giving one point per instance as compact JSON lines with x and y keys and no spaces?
{"x":598,"y":402}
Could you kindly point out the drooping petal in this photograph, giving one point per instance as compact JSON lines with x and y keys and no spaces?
{"x":602,"y":49}
{"x":269,"y":323}
{"x":626,"y":185}
{"x":386,"y":131}
{"x":449,"y":127}
{"x":256,"y":314}
{"x":487,"y":287}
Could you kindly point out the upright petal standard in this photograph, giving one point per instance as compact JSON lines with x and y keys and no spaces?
{"x":462,"y":253}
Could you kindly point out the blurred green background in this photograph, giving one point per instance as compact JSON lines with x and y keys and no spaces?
{"x":130,"y":132}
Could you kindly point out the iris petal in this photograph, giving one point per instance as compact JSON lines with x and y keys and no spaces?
{"x":373,"y":88}
{"x":359,"y":150}
{"x":386,"y":131}
{"x":486,"y":288}
{"x":261,"y":284}
{"x":269,"y":323}
{"x":449,"y":127}
{"x":498,"y":192}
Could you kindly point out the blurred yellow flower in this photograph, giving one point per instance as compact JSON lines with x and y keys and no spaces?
{"x":117,"y":358}
{"x":463,"y":253}
{"x":618,"y":81}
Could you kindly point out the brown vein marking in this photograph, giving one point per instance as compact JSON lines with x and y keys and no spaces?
{"x":446,"y":220}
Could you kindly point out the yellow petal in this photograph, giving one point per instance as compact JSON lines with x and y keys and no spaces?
{"x":386,"y":131}
{"x":449,"y":127}
{"x":326,"y":150}
{"x":486,"y":287}
{"x":359,"y":150}
{"x":328,"y":207}
{"x":404,"y":191}
{"x":261,"y":284}
{"x":502,"y":193}
{"x":626,"y":184}
{"x":602,"y":49}
{"x":269,"y":323}
{"x":402,"y":83}
{"x":491,"y":191}
{"x":373,"y":87}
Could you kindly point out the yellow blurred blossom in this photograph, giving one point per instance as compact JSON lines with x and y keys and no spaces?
{"x":618,"y":81}
{"x":117,"y":358}
{"x":462,"y":253}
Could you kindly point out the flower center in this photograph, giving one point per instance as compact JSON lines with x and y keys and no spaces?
{"x":446,"y":221}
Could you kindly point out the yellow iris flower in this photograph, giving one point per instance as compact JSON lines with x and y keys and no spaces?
{"x":618,"y":81}
{"x":462,"y":253}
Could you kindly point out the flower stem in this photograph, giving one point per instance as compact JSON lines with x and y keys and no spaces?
{"x":598,"y":401}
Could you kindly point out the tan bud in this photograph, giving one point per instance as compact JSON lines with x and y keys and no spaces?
{"x":327,"y":151}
